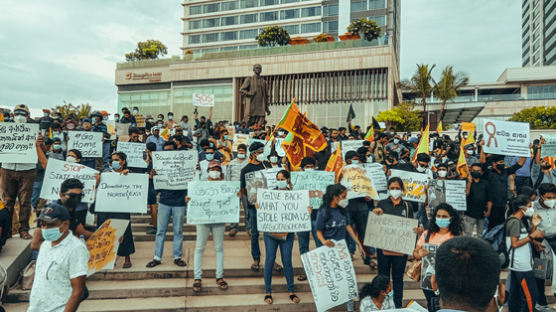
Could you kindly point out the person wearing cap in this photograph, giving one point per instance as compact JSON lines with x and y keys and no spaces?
{"x":203,"y":231}
{"x":256,"y":162}
{"x":61,"y":267}
{"x":98,"y":125}
{"x":45,"y":121}
{"x":156,"y":138}
{"x":70,"y":123}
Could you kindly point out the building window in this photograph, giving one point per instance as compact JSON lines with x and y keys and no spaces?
{"x":288,"y":14}
{"x":228,"y":35}
{"x":310,"y":28}
{"x":230,"y":5}
{"x":196,"y":9}
{"x":270,"y":2}
{"x":377,"y":4}
{"x":380,"y":20}
{"x":330,"y":10}
{"x":536,"y":58}
{"x":248,"y":47}
{"x":312,"y":11}
{"x":358,"y":5}
{"x":211,"y":22}
{"x":193,"y":39}
{"x":210,"y":37}
{"x":330,"y":27}
{"x":536,"y":45}
{"x":195,"y":24}
{"x":210,"y":50}
{"x":232,"y":48}
{"x":249,"y":4}
{"x":289,"y":1}
{"x":248,"y":34}
{"x":269,"y":16}
{"x":292,"y":29}
{"x":229,"y":20}
{"x":541,"y":92}
{"x":248,"y":18}
{"x":211,"y":8}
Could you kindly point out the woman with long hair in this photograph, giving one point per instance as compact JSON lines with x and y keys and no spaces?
{"x":377,"y":295}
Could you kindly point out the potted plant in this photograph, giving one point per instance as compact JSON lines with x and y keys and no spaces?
{"x":298,"y":40}
{"x":367,"y":28}
{"x":349,"y":36}
{"x":324,"y":38}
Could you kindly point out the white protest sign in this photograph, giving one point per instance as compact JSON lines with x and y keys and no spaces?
{"x":315,"y":182}
{"x":198,"y":99}
{"x":88,"y":143}
{"x":392,"y":233}
{"x":331,"y":275}
{"x":279,"y":148}
{"x":283,"y":211}
{"x":356,"y":180}
{"x":254,"y":181}
{"x":213,"y":202}
{"x":506,"y":138}
{"x":414,"y":184}
{"x":455,"y":194}
{"x":17,"y":143}
{"x":174,"y":169}
{"x":134,"y":153}
{"x":376,"y":173}
{"x":239,"y":138}
{"x":549,"y":147}
{"x":122,"y":193}
{"x":103,"y":245}
{"x":58,"y":171}
{"x":350,"y":145}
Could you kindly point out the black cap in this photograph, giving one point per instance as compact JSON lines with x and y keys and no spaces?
{"x":54,"y":212}
{"x":255,"y":147}
{"x":423,"y":157}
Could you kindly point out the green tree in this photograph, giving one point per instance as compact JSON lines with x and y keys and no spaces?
{"x":83,"y":110}
{"x":366,"y":28}
{"x":65,"y":109}
{"x":422,"y":84}
{"x":402,"y":117}
{"x":539,"y":117}
{"x":448,"y":85}
{"x":147,"y":50}
{"x":273,"y":36}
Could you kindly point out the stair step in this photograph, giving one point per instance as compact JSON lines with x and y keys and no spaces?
{"x":143,"y":227}
{"x":145,"y":218}
{"x":190,"y":236}
{"x":153,"y":304}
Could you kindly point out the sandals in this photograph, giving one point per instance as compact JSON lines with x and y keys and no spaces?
{"x":25,"y":235}
{"x":127,"y":265}
{"x":222,"y":283}
{"x":153,"y":263}
{"x":232,"y":232}
{"x":278,"y":268}
{"x":302,"y":277}
{"x":255,"y":267}
{"x":294,"y":298}
{"x":180,"y":262}
{"x":268,"y":299}
{"x":373,"y":265}
{"x":197,"y":286}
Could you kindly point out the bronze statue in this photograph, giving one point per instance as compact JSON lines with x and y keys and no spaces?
{"x":254,"y":93}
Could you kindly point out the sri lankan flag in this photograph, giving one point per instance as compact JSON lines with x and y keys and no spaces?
{"x":165,"y":134}
{"x":1,"y":116}
{"x":439,"y":128}
{"x":295,"y":149}
{"x":423,"y":146}
{"x":298,"y":124}
{"x":335,"y":162}
{"x":50,"y":134}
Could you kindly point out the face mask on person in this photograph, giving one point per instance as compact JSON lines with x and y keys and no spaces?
{"x":226,"y":137}
{"x":343,"y":203}
{"x":116,"y":119}
{"x":116,"y":165}
{"x":71,"y":159}
{"x":282,"y":184}
{"x":550,"y":203}
{"x":309,"y":169}
{"x":443,"y":223}
{"x":396,"y":141}
{"x":73,"y":201}
{"x":355,"y":161}
{"x":528,"y":212}
{"x":442,"y":173}
{"x":273,"y":159}
{"x":421,"y":169}
{"x":500,"y":166}
{"x":20,"y":119}
{"x":475,"y":174}
{"x":214,"y":174}
{"x":390,"y":294}
{"x":45,"y":114}
{"x":395,"y":194}
{"x":471,"y":152}
{"x":170,"y":117}
{"x":160,"y":125}
{"x":56,"y":146}
{"x":546,"y":167}
{"x":241,"y":156}
{"x":135,"y":112}
{"x":210,"y":156}
{"x":280,"y":133}
{"x":52,"y":234}
{"x":260,"y":157}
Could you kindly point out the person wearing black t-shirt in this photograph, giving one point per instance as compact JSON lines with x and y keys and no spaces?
{"x":479,"y":204}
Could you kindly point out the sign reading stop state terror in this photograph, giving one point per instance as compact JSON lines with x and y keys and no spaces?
{"x":58,"y":171}
{"x":199,"y":99}
{"x":88,"y":143}
{"x":283,"y":211}
{"x":17,"y":143}
{"x":506,"y":138}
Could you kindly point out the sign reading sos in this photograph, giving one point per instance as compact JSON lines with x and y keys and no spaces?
{"x":203,"y":99}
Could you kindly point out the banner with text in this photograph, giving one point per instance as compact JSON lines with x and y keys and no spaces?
{"x":122,"y":193}
{"x":350,"y":145}
{"x":103,"y":245}
{"x":239,"y":138}
{"x":174,"y":169}
{"x":455,"y":194}
{"x":213,"y":202}
{"x":506,"y":138}
{"x":17,"y":142}
{"x":88,"y":143}
{"x":392,"y":233}
{"x":134,"y":153}
{"x":283,"y":211}
{"x":358,"y":183}
{"x":313,"y":181}
{"x":254,"y":181}
{"x":375,"y":172}
{"x":549,"y":147}
{"x":331,"y":275}
{"x":58,"y":171}
{"x":199,"y":99}
{"x":414,"y":184}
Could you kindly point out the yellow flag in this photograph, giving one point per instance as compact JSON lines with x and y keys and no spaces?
{"x":461,"y":167}
{"x":439,"y":127}
{"x":423,"y":146}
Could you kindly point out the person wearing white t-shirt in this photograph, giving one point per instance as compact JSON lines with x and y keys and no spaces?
{"x":62,"y":264}
{"x":519,"y":241}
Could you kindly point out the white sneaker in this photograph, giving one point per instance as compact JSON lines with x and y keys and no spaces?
{"x":542,"y":308}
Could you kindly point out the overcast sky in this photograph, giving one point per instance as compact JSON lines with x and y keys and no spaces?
{"x":55,"y":50}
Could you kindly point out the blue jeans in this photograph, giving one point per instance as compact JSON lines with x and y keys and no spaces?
{"x":35,"y":196}
{"x":271,"y":246}
{"x":106,"y":154}
{"x":255,"y":249}
{"x":397,"y":265}
{"x":164,"y":214}
{"x":303,"y":239}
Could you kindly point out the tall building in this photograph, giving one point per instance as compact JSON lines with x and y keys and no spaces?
{"x":223,"y":25}
{"x":538,"y":32}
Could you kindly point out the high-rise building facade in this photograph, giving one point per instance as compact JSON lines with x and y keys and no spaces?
{"x":538,"y":32}
{"x":224,"y":25}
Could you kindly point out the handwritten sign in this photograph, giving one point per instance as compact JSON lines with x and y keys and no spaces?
{"x":414,"y":184}
{"x":376,"y":173}
{"x":283,"y":211}
{"x":199,"y":99}
{"x":88,"y":143}
{"x":174,"y":169}
{"x":355,"y":179}
{"x":331,"y":275}
{"x":122,"y":193}
{"x":58,"y":171}
{"x":140,"y":121}
{"x":549,"y":147}
{"x":506,"y":138}
{"x":455,"y":194}
{"x":350,"y":145}
{"x":392,"y":233}
{"x":103,"y":245}
{"x":134,"y":153}
{"x":239,"y":138}
{"x":253,"y":182}
{"x":17,"y":143}
{"x":315,"y":182}
{"x":213,"y":202}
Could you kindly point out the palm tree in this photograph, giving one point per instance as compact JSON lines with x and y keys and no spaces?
{"x":83,"y":110}
{"x":65,"y":109}
{"x":446,"y":89}
{"x":422,"y":84}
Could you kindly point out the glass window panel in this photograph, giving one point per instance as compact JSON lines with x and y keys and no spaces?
{"x":249,"y":4}
{"x":270,"y":2}
{"x":330,"y":27}
{"x":292,"y":29}
{"x":268,"y":16}
{"x":195,"y":24}
{"x":380,"y":20}
{"x":289,"y":1}
{"x":230,"y":5}
{"x":248,"y":18}
{"x":229,"y":35}
{"x":288,"y":14}
{"x":229,"y":20}
{"x":211,"y":22}
{"x":196,"y":9}
{"x":358,"y":5}
{"x":377,"y":4}
{"x":210,"y":8}
{"x":330,"y":10}
{"x":248,"y":34}
{"x":310,"y":28}
{"x":233,"y":48}
{"x":312,"y":11}
{"x":210,"y":37}
{"x":248,"y":47}
{"x":194,"y":39}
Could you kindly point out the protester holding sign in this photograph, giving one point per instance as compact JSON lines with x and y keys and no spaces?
{"x":151,"y":196}
{"x":233,"y":173}
{"x":445,"y":224}
{"x":387,"y":260}
{"x":541,"y":170}
{"x":479,"y":204}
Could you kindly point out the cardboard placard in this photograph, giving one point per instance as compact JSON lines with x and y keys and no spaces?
{"x":392,"y":233}
{"x":358,"y":183}
{"x":315,"y":182}
{"x":174,"y":169}
{"x":283,"y":211}
{"x":239,"y":138}
{"x":134,"y":153}
{"x":506,"y":138}
{"x":103,"y":245}
{"x":122,"y":193}
{"x":213,"y":202}
{"x":350,"y":145}
{"x":88,"y":143}
{"x":414,"y":184}
{"x":17,"y":143}
{"x":205,"y":100}
{"x":455,"y":194}
{"x":549,"y":147}
{"x":58,"y":171}
{"x":375,"y":172}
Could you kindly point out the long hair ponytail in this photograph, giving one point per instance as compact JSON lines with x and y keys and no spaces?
{"x":331,"y":191}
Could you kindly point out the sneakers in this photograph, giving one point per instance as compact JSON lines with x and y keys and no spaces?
{"x":151,"y":231}
{"x":542,"y":308}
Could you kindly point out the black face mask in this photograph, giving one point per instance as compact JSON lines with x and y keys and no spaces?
{"x":546,"y":167}
{"x":73,"y":201}
{"x":500,"y":166}
{"x":475,"y":174}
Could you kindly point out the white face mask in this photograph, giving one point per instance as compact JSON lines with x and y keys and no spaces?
{"x":71,"y":159}
{"x":273,"y":159}
{"x":170,"y":117}
{"x":395,"y":193}
{"x":550,"y":203}
{"x":241,"y":156}
{"x":20,"y":119}
{"x":260,"y":157}
{"x":528,"y":212}
{"x":135,"y":112}
{"x":420,"y":169}
{"x":442,"y":173}
{"x":214,"y":174}
{"x":280,"y":133}
{"x":343,"y":203}
{"x":309,"y":169}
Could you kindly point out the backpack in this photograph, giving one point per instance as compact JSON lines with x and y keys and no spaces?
{"x":496,"y":237}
